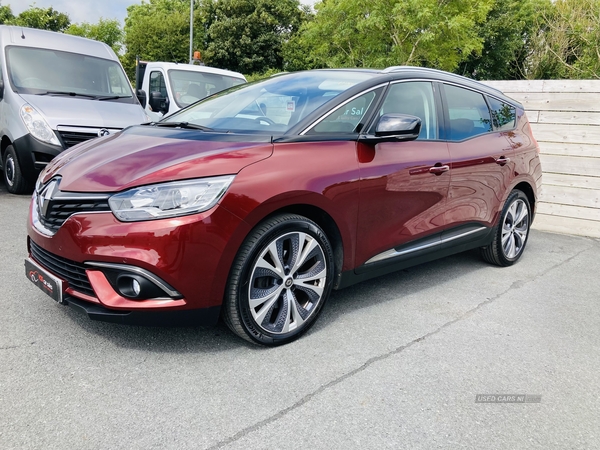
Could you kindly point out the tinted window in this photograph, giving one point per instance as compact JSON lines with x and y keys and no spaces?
{"x":414,"y":99}
{"x":285,"y":100}
{"x":468,"y":112}
{"x":503,"y":115}
{"x":346,"y":118}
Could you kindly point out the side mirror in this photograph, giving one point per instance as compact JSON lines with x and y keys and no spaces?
{"x":394,"y":127}
{"x":141,"y":96}
{"x":1,"y":89}
{"x":158,"y":103}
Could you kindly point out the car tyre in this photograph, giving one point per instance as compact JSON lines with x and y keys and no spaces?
{"x":512,"y":231}
{"x":279,"y":281}
{"x":13,"y":176}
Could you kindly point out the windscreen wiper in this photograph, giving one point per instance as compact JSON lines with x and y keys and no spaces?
{"x":187,"y":125}
{"x":111,"y":97}
{"x":66,"y":93}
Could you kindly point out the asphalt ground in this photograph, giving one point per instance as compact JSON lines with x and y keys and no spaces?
{"x":396,"y":362}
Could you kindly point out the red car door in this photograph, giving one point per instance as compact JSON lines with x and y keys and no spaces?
{"x":403,"y":185}
{"x":482,"y":165}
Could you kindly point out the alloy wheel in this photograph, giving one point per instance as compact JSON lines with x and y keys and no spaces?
{"x":287,"y":282}
{"x":515,"y":228}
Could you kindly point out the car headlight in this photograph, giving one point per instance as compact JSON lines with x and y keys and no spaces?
{"x":37,"y":125}
{"x":172,"y":199}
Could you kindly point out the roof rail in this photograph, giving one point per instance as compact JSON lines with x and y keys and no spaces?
{"x":392,"y":69}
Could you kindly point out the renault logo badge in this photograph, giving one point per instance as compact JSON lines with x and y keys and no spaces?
{"x":45,"y":197}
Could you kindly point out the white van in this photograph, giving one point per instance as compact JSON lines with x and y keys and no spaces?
{"x":168,"y":87}
{"x":56,"y":91}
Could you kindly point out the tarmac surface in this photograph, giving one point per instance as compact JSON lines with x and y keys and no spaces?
{"x":437,"y":356}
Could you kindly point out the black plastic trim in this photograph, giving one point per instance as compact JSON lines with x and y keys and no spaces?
{"x":188,"y":317}
{"x":450,"y":247}
{"x":25,"y":147}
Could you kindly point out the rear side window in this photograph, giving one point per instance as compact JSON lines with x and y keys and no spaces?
{"x":468,"y":113}
{"x":503,"y":115}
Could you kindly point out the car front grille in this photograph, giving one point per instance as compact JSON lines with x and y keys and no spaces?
{"x":60,"y":209}
{"x":73,"y":272}
{"x":71,"y":138}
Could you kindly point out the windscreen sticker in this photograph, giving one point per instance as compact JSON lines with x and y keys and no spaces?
{"x":291,"y":106}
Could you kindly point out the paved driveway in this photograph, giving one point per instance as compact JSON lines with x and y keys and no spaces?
{"x":396,"y":362}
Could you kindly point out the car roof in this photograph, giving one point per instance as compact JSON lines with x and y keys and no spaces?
{"x":194,"y":68}
{"x":33,"y":38}
{"x":404,"y":72}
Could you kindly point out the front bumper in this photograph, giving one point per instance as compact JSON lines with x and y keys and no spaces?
{"x":196,"y":317}
{"x":191,"y":254}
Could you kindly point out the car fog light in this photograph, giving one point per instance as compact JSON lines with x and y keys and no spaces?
{"x":135,"y":287}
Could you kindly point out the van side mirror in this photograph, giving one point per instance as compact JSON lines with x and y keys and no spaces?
{"x":158,"y":102}
{"x":1,"y":89}
{"x":141,"y":96}
{"x":394,"y":127}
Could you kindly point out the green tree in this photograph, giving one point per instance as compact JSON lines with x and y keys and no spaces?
{"x":158,"y":30}
{"x":569,"y":44}
{"x":6,"y":14}
{"x":106,"y":30}
{"x":508,"y":34}
{"x":248,"y":35}
{"x":379,"y":33}
{"x":42,"y":18}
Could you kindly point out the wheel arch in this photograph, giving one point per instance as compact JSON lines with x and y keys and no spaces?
{"x":326,"y":223}
{"x":3,"y":145}
{"x":527,"y":189}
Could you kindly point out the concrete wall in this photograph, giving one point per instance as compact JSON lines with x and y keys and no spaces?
{"x":565,"y":119}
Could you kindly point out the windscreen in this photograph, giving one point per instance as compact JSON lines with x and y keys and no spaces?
{"x":41,"y":71}
{"x":273,"y":105}
{"x":189,"y":87}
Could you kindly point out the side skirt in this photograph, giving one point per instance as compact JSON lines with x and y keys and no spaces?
{"x":450,"y":242}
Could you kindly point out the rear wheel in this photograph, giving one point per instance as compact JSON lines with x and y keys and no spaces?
{"x":13,"y":176}
{"x":279,"y":281}
{"x":512,"y":233}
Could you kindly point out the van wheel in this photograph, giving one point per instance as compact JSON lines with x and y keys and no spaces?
{"x":279,"y":281}
{"x":13,"y":177}
{"x":512,"y":232}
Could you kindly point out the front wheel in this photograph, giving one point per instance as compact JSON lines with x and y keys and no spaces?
{"x":512,"y":233}
{"x":279,"y":281}
{"x":13,"y":176}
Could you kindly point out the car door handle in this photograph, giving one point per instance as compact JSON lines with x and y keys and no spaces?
{"x":502,"y":160}
{"x":438,"y":170}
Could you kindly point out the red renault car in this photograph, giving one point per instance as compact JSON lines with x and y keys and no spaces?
{"x":256,"y":202}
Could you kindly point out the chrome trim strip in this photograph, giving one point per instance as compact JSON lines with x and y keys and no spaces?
{"x":138,"y":271}
{"x":463,"y":235}
{"x":393,"y":252}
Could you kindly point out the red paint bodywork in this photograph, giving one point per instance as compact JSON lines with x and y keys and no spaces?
{"x":378,"y":197}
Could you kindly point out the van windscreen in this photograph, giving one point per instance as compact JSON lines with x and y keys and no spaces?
{"x":45,"y":71}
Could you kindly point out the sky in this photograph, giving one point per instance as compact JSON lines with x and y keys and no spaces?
{"x":84,"y":10}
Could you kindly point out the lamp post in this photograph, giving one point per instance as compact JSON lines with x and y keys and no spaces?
{"x":191,"y":29}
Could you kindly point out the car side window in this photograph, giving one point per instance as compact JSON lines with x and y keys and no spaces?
{"x":414,"y":98}
{"x":346,"y":118}
{"x":468,"y":113}
{"x":503,"y":115}
{"x":157,"y":83}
